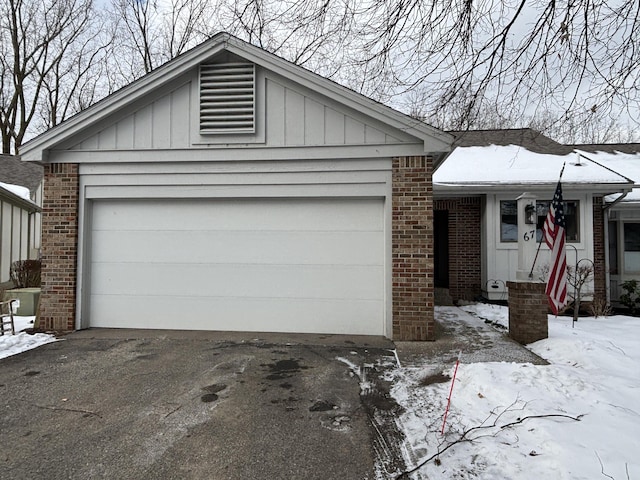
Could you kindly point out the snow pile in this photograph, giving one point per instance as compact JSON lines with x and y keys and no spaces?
{"x":587,"y":400}
{"x":20,"y":342}
{"x":21,"y":192}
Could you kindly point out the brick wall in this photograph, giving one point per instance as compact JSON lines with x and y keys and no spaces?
{"x":412,"y":250}
{"x":599,"y":276}
{"x":528,"y":307}
{"x":465,"y":246}
{"x":59,"y":247}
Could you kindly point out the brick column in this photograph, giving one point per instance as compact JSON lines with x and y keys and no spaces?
{"x":59,"y":246}
{"x":412,"y":250}
{"x":528,"y":307}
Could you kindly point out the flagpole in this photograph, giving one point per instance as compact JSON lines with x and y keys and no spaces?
{"x":540,"y":242}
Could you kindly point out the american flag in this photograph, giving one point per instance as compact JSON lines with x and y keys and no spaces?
{"x":554,"y":235}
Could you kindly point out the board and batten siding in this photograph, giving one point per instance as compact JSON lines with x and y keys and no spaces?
{"x":18,"y":236}
{"x":502,"y":258}
{"x":287,"y":114}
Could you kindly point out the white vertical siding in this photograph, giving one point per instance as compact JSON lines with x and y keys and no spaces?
{"x":502,"y":258}
{"x":15,"y":239}
{"x":286,"y":115}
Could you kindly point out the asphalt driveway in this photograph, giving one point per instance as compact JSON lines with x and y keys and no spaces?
{"x":182,"y":405}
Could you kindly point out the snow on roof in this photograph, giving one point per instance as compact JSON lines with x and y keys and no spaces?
{"x":627,"y":164}
{"x":496,"y":165}
{"x":22,"y":192}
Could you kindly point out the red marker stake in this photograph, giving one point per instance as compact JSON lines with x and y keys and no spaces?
{"x":453,"y":380}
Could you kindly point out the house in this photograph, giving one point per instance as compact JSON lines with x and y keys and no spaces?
{"x":232,"y":190}
{"x":20,"y":201}
{"x":475,"y":218}
{"x":622,"y":234}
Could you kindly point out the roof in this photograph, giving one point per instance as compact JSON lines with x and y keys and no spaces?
{"x":484,"y":160}
{"x":436,"y":141}
{"x":623,"y":158}
{"x":16,"y":172}
{"x":608,"y":147}
{"x":528,"y":138}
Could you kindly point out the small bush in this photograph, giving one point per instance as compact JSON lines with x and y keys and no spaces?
{"x":631,"y":296}
{"x":599,"y":307}
{"x":26,"y":273}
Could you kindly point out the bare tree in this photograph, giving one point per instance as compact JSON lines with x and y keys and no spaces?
{"x":572,"y":57}
{"x":36,"y":40}
{"x":152,"y":33}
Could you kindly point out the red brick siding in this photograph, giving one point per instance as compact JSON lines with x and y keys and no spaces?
{"x":412,"y":249}
{"x":465,"y":246}
{"x":599,"y":276}
{"x":59,"y":246}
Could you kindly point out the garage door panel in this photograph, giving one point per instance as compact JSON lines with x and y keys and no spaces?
{"x":282,"y":265}
{"x":328,"y":282}
{"x":239,"y":214}
{"x":232,"y":314}
{"x":216,"y":247}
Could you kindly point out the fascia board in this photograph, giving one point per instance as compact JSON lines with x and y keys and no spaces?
{"x":479,"y":188}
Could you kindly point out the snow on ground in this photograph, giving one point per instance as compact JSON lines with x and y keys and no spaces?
{"x":20,"y":342}
{"x":593,"y":376}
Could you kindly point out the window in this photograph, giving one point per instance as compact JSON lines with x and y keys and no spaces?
{"x":509,"y":219}
{"x":227,"y":98}
{"x":632,"y":247}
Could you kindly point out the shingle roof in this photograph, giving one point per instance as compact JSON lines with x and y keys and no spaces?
{"x":17,"y":172}
{"x":608,"y":147}
{"x":528,"y":138}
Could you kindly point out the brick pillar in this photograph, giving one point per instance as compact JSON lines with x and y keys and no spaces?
{"x":59,"y":246}
{"x":412,"y":250}
{"x":599,"y":276}
{"x":528,"y":307}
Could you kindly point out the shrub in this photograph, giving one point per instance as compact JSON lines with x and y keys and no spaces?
{"x":631,"y":296}
{"x":26,"y":273}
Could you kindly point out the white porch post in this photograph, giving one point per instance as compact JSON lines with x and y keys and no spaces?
{"x":527,"y":245}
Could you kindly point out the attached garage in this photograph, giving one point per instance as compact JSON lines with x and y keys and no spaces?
{"x":232,"y":190}
{"x":278,"y":265}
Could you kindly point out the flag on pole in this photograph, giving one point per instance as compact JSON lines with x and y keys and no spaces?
{"x":554,"y":235}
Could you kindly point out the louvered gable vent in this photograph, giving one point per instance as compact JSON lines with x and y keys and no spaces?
{"x":227,"y":98}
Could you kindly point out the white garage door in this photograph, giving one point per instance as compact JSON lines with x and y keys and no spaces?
{"x":274,"y":265}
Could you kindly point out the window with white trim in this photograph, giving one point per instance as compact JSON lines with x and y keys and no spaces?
{"x":227,"y":98}
{"x":509,"y":220}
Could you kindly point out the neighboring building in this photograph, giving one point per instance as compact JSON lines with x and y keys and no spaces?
{"x":232,"y":190}
{"x":20,"y":201}
{"x":623,"y":213}
{"x":475,"y":191}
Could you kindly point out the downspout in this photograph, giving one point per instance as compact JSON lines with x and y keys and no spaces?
{"x":607,"y":274}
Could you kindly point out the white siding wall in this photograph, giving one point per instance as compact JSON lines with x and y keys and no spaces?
{"x":14,"y":241}
{"x":502,"y":258}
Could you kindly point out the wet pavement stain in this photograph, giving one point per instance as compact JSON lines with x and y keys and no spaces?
{"x":321,"y":406}
{"x":212,"y":391}
{"x":283,"y":369}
